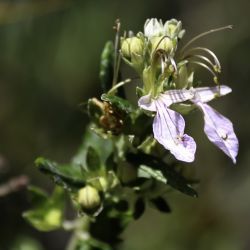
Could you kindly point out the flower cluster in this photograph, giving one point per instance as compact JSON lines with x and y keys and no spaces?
{"x":169,"y":86}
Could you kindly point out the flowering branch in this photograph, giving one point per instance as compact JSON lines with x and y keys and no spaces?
{"x":132,"y":155}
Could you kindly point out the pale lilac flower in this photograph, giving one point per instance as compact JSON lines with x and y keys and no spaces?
{"x":168,"y":125}
{"x":218,"y":128}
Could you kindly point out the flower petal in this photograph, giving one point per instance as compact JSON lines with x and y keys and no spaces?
{"x":153,"y":27}
{"x":219,"y":131}
{"x":145,"y":102}
{"x":207,"y":94}
{"x":168,"y":129}
{"x":176,"y":95}
{"x":186,"y":150}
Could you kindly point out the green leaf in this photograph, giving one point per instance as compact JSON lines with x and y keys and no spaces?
{"x":174,"y":179}
{"x":67,"y":176}
{"x":139,"y":92}
{"x":118,"y":102}
{"x":106,"y":66}
{"x":37,"y":195}
{"x":110,"y":163}
{"x":147,"y":172}
{"x":90,"y":139}
{"x":92,"y":159}
{"x":92,"y":244}
{"x":24,"y":242}
{"x":161,"y":204}
{"x":49,"y":214}
{"x":139,"y":208}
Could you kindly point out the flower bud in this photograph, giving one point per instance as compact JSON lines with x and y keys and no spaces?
{"x":131,"y":45}
{"x":89,"y":199}
{"x":173,"y":28}
{"x":153,"y":27}
{"x":53,"y":217}
{"x":161,"y":43}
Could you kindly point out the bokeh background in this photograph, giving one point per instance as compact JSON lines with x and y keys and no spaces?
{"x":49,"y":63}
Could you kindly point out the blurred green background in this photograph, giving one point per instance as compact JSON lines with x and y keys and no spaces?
{"x":49,"y":63}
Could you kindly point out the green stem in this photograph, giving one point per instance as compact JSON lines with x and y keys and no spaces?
{"x":81,"y":226}
{"x":118,"y":85}
{"x":117,"y":55}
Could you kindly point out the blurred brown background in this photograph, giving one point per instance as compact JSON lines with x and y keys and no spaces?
{"x":49,"y":62}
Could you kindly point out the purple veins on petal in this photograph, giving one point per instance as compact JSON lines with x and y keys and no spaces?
{"x":146,"y":103}
{"x":206,"y":94}
{"x":168,"y":129}
{"x":219,"y":131}
{"x":176,"y":95}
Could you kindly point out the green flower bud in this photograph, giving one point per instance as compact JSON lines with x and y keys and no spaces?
{"x":89,"y":199}
{"x":131,"y":45}
{"x":184,"y":78}
{"x":173,"y":28}
{"x":53,"y":217}
{"x":132,"y":50}
{"x":161,"y":43}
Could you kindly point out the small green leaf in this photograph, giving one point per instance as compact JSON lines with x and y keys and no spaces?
{"x":67,"y":176}
{"x":49,"y":214}
{"x":174,"y":179}
{"x":161,"y":204}
{"x":139,"y":208}
{"x":106,"y":66}
{"x":37,"y":195}
{"x":118,"y":102}
{"x":122,"y":206}
{"x":101,"y":145}
{"x":92,"y":159}
{"x":147,"y":172}
{"x":139,"y":92}
{"x":110,"y":163}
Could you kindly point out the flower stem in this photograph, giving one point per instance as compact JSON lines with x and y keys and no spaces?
{"x":118,"y":85}
{"x":81,"y":227}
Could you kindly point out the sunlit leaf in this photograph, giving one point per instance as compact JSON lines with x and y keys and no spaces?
{"x":68,"y":176}
{"x":49,"y":214}
{"x":147,"y":172}
{"x":174,"y":179}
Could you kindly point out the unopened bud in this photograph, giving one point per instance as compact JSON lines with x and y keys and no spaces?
{"x":153,"y":27}
{"x":173,"y":28}
{"x":89,"y":199}
{"x":161,"y":43}
{"x":131,"y":45}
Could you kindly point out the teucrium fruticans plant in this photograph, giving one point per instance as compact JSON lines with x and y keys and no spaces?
{"x":133,"y":154}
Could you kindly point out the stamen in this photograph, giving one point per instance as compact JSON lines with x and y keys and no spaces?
{"x":162,"y":65}
{"x":204,"y":34}
{"x":203,"y":58}
{"x":211,"y":53}
{"x":173,"y":63}
{"x":206,"y":67}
